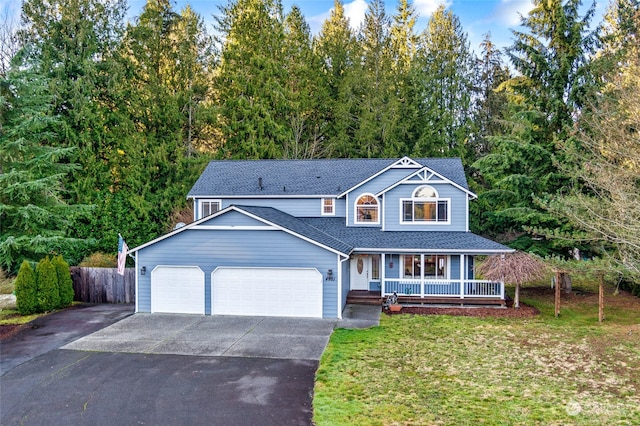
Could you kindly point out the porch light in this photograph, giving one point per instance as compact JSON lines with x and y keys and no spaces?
{"x":143,"y":270}
{"x":391,"y":265}
{"x":330,"y":275}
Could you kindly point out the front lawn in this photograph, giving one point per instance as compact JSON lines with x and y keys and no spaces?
{"x":463,"y":370}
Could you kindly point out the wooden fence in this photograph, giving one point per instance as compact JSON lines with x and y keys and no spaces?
{"x":103,"y":285}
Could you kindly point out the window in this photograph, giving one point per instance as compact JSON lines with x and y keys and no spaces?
{"x":434,"y":266}
{"x":209,"y":207}
{"x":412,"y":266}
{"x":367,"y":209}
{"x":425,"y":207}
{"x":328,"y":206}
{"x":375,"y":267}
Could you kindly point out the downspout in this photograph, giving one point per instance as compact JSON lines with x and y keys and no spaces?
{"x":136,"y":275}
{"x":340,"y":262}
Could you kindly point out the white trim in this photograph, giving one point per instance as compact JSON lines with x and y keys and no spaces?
{"x":355,"y":210}
{"x":426,"y":222}
{"x":246,"y":213}
{"x":201,"y":201}
{"x":333,"y":206}
{"x":340,"y":284}
{"x":274,"y":196}
{"x":426,"y":169}
{"x":428,"y":251}
{"x":403,"y":163}
{"x":466,"y":208}
{"x":136,"y":284}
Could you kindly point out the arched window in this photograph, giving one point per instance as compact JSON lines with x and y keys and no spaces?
{"x":367,"y":209}
{"x":425,"y":191}
{"x":425,"y":206}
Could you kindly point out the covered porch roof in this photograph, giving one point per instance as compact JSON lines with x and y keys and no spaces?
{"x":373,"y":240}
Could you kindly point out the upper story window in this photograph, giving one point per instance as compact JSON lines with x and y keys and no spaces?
{"x":367,"y":209}
{"x":425,"y":206}
{"x":328,"y":206}
{"x":209,"y":207}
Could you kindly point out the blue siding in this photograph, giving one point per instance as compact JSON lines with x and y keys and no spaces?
{"x":454,"y":267}
{"x":233,"y":218}
{"x":373,"y":187}
{"x":210,"y":249}
{"x":457,"y":208}
{"x":299,"y":207}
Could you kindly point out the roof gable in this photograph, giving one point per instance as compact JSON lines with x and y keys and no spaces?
{"x":269,"y":217}
{"x":308,"y":178}
{"x":426,"y":176}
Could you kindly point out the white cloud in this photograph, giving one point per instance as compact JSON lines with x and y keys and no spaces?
{"x":355,"y":11}
{"x":427,"y":7}
{"x":508,"y":12}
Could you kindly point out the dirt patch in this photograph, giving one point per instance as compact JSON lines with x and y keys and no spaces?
{"x":523,"y":312}
{"x":6,"y":331}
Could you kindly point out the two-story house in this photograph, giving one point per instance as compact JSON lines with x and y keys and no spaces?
{"x":294,"y":237}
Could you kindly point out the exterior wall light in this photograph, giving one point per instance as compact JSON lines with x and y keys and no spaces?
{"x":330,"y":275}
{"x":143,"y":270}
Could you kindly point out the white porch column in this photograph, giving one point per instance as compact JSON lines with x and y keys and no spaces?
{"x":383,"y":276}
{"x":462,"y":274}
{"x":422,"y":275}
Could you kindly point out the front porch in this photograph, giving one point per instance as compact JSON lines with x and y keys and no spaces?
{"x":430,"y":292}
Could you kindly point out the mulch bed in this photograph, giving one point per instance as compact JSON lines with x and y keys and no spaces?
{"x":523,"y":312}
{"x":6,"y":331}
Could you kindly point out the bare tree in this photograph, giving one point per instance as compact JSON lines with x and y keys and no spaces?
{"x":516,"y":268}
{"x":9,"y":44}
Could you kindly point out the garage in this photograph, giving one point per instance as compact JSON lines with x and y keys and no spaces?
{"x":177,"y":289}
{"x":284,"y":292}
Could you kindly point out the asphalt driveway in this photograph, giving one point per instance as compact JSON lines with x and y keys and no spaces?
{"x":205,"y":335}
{"x":164,"y":369}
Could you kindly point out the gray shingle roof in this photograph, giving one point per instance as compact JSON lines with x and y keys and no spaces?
{"x":333,"y":233}
{"x":297,"y":226}
{"x":304,"y":177}
{"x":374,"y":238}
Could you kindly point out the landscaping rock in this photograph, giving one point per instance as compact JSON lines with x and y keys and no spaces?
{"x":7,"y":301}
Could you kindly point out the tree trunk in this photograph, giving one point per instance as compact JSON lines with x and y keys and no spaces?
{"x":557,"y":298}
{"x":601,"y":299}
{"x":565,"y":281}
{"x":516,"y":299}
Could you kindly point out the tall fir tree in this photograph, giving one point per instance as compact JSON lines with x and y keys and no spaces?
{"x":445,"y":69}
{"x":552,"y":59}
{"x":33,"y":165}
{"x":252,"y":80}
{"x":336,"y":45}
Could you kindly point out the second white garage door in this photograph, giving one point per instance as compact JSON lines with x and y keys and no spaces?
{"x":284,"y":292}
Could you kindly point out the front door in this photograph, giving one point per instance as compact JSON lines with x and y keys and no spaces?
{"x":360,"y":272}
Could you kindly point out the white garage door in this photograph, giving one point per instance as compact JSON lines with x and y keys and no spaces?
{"x":283,"y":292}
{"x":177,"y":289}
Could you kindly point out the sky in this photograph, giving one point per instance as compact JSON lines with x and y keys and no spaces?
{"x":478,"y":17}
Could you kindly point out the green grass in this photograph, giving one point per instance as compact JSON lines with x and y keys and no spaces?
{"x":465,"y":370}
{"x":13,"y":317}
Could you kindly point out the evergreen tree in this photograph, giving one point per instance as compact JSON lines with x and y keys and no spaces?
{"x":252,"y":80}
{"x":47,"y":285}
{"x":521,"y":171}
{"x":65,"y":283}
{"x":445,"y":77}
{"x":35,"y":219}
{"x":26,"y":290}
{"x":337,"y":48}
{"x":307,"y":89}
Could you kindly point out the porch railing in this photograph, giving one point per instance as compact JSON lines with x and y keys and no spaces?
{"x":444,"y":288}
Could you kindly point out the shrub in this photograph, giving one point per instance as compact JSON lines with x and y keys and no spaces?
{"x":47,"y":285}
{"x":65,"y":284}
{"x":99,"y":260}
{"x":26,"y":290}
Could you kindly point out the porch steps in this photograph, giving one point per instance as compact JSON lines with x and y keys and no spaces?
{"x":364,"y":297}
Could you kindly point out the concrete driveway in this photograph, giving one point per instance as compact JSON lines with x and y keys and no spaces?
{"x":227,"y":336}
